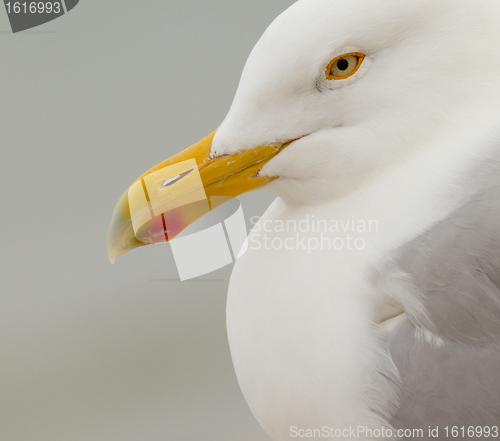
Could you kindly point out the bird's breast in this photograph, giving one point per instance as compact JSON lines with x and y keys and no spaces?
{"x":302,"y":308}
{"x":299,"y":319}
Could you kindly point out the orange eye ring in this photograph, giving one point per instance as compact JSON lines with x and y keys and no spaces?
{"x":331,"y":66}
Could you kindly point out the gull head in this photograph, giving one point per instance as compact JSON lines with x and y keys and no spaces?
{"x":334,"y":95}
{"x":428,"y":69}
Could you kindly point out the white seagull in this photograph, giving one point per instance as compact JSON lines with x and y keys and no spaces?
{"x":381,"y":120}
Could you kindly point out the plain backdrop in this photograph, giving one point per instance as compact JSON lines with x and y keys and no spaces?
{"x":91,"y":351}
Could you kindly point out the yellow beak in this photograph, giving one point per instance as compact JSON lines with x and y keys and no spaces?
{"x":170,"y":196}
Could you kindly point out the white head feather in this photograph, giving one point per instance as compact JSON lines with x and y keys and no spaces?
{"x":431,"y":67}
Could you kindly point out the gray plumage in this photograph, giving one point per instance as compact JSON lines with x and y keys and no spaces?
{"x":452,"y":378}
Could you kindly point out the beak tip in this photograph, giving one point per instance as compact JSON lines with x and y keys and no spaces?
{"x":111,"y":259}
{"x":120,"y":237}
{"x":111,"y":250}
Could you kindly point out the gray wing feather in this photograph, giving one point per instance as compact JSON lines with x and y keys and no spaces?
{"x":450,"y":385}
{"x":454,"y":269}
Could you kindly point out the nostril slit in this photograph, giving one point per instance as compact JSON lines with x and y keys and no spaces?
{"x":169,"y":181}
{"x":173,"y":180}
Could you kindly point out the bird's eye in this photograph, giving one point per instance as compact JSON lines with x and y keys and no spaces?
{"x":344,"y":66}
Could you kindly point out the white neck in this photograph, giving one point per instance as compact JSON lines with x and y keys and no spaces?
{"x":300,"y":322}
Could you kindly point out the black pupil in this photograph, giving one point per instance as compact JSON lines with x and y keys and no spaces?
{"x":342,"y":64}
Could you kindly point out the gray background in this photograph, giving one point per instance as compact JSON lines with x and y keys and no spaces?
{"x":90,"y":351}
